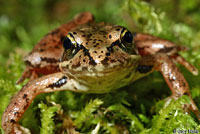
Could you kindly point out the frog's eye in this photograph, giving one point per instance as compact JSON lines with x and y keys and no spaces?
{"x":127,"y":37}
{"x":67,"y":43}
{"x":70,"y":47}
{"x":127,"y":43}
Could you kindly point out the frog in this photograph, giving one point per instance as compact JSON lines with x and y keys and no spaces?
{"x":88,"y":57}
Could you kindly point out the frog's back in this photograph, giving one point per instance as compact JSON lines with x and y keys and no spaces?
{"x":45,"y":56}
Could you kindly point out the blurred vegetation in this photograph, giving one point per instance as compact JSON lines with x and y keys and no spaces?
{"x":138,"y":108}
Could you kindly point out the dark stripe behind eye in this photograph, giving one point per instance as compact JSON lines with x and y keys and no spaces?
{"x":71,"y":35}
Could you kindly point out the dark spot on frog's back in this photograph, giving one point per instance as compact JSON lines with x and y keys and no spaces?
{"x":144,"y":68}
{"x":89,"y":35}
{"x":100,"y":40}
{"x":55,"y":31}
{"x":49,"y":60}
{"x":59,"y":83}
{"x":166,"y":49}
{"x":41,"y":50}
{"x":103,"y":32}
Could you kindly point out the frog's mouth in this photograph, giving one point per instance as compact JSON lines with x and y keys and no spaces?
{"x":104,"y":68}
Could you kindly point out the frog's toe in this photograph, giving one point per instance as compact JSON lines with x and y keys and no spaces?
{"x":16,"y":129}
{"x":181,"y":60}
{"x":28,"y":73}
{"x":20,"y":80}
{"x":21,"y":130}
{"x":25,"y":74}
{"x":168,"y":100}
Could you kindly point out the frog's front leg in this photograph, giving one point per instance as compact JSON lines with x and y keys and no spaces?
{"x":21,"y":101}
{"x":173,"y":77}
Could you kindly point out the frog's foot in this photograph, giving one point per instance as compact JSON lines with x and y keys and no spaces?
{"x":174,"y":79}
{"x":186,"y":107}
{"x":21,"y":130}
{"x":16,"y":129}
{"x":194,"y":108}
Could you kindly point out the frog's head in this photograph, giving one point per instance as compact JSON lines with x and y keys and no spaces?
{"x":98,"y":49}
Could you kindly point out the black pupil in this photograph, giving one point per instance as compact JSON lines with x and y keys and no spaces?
{"x":128,"y":37}
{"x":67,"y":43}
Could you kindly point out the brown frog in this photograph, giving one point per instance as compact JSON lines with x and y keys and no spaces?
{"x":84,"y":56}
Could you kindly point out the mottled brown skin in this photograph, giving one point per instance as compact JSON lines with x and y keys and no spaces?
{"x":101,"y":57}
{"x":47,"y":51}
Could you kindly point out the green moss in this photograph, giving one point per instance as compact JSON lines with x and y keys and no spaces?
{"x":86,"y":115}
{"x":47,"y":123}
{"x":134,"y":109}
{"x":7,"y":89}
{"x":125,"y":114}
{"x":173,"y":117}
